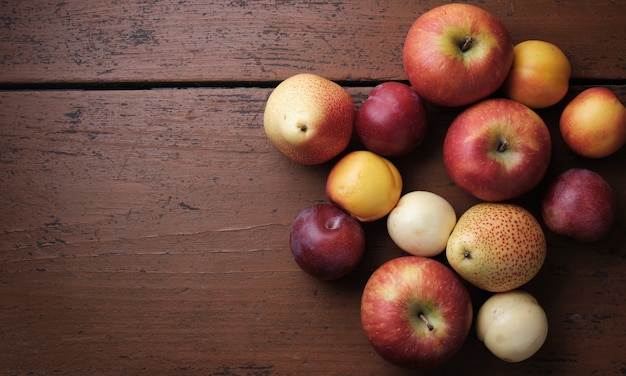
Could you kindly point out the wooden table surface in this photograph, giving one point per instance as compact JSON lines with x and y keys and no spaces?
{"x":145,"y":216}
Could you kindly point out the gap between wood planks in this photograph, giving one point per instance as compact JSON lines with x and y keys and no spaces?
{"x":223,"y":84}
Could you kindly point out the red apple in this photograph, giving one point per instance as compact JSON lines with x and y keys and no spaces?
{"x":326,"y":242}
{"x":416,"y":312}
{"x":456,"y":54}
{"x":392,"y":121}
{"x":497,"y":149}
{"x":581,"y":204}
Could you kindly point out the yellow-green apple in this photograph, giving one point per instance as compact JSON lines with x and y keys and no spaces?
{"x":539,"y":76}
{"x":496,"y":246}
{"x":593,"y":124}
{"x":512,"y":325}
{"x":326,"y":242}
{"x":416,"y":312}
{"x":421,"y":223}
{"x":365,"y":185}
{"x":309,"y":118}
{"x":456,"y":54}
{"x":581,"y":204}
{"x":392,"y":121}
{"x":497,"y":149}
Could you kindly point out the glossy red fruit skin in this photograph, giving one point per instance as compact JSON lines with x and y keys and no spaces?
{"x":581,"y":204}
{"x":476,"y":159}
{"x":392,"y":121}
{"x":394,"y":296}
{"x":434,"y":61}
{"x":326,"y":242}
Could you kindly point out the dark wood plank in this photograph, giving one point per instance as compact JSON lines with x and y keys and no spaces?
{"x":188,"y":41}
{"x":146,"y":232}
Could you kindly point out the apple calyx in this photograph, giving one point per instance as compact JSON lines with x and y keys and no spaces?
{"x":467,"y":43}
{"x":425,"y":320}
{"x":467,"y":254}
{"x":302,"y":127}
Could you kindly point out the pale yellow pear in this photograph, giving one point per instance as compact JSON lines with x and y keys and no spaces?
{"x":309,"y":118}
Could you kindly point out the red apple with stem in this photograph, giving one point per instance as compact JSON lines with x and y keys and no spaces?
{"x":416,"y":312}
{"x":456,"y":54}
{"x":392,"y":121}
{"x":497,"y":149}
{"x":326,"y":242}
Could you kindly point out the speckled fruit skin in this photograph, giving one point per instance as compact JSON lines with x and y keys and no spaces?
{"x":309,"y":118}
{"x":581,"y":204}
{"x":497,"y":247}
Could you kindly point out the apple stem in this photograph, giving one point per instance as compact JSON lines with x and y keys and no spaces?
{"x":467,"y":43}
{"x":503,"y":145}
{"x":425,"y":320}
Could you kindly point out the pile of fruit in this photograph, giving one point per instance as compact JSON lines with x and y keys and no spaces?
{"x":416,"y":311}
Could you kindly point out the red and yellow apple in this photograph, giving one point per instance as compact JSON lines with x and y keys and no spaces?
{"x":539,"y":76}
{"x":416,"y":312}
{"x":309,"y":118}
{"x":365,"y":185}
{"x":593,"y":124}
{"x":456,"y":54}
{"x":497,"y":149}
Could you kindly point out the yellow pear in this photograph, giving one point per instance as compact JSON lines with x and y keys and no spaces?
{"x":496,"y":246}
{"x":309,"y":118}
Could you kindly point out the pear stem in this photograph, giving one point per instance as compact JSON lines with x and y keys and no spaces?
{"x":467,"y":43}
{"x":425,"y":320}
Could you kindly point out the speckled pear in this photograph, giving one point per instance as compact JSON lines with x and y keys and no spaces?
{"x":309,"y":118}
{"x":496,"y":246}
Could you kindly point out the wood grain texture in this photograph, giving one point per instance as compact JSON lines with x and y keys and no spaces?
{"x":146,"y":231}
{"x":208,"y":41}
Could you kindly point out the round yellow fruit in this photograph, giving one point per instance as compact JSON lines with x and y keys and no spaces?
{"x":309,"y":118}
{"x":365,"y":185}
{"x":540,"y":74}
{"x":512,"y":325}
{"x":421,"y":223}
{"x":593,"y":124}
{"x":496,"y":246}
